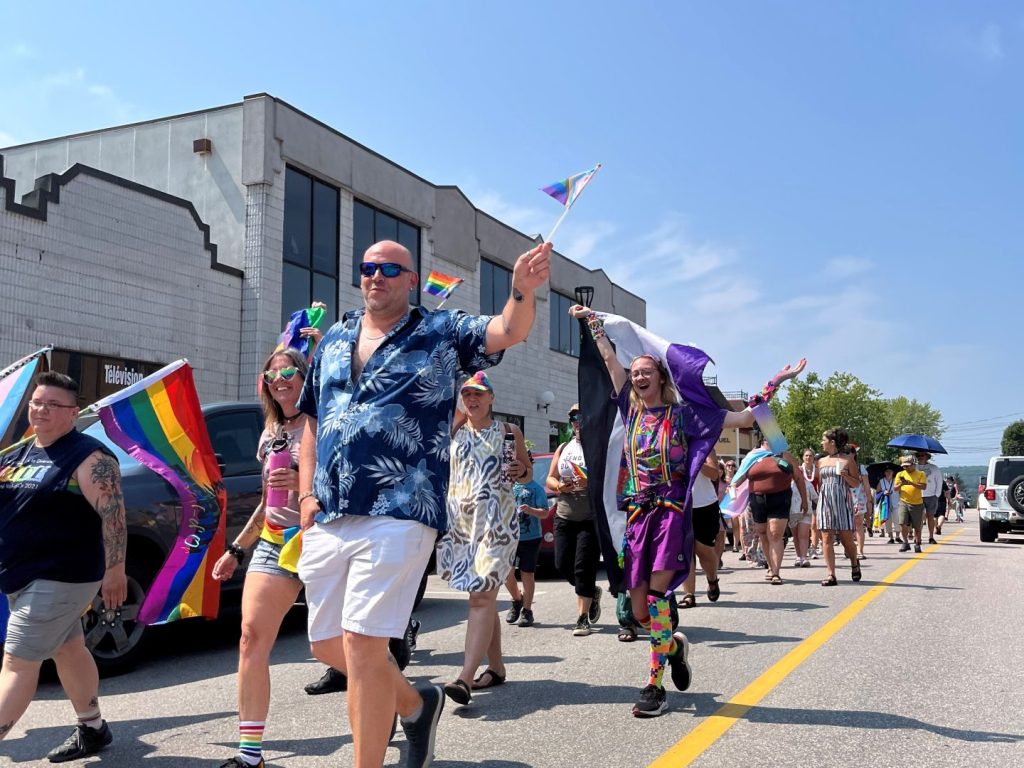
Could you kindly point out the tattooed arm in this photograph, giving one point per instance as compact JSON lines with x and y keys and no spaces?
{"x":99,"y":477}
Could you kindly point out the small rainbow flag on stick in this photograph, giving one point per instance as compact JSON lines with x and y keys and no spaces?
{"x":15,"y":391}
{"x":158,"y":422}
{"x":580,"y":473}
{"x":441,"y":285}
{"x":567,"y":191}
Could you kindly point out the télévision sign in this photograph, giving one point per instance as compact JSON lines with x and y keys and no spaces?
{"x":120,"y":375}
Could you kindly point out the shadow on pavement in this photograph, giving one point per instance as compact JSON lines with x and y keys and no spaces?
{"x":858,"y":719}
{"x":771,"y":605}
{"x":719,"y":638}
{"x":127,"y":749}
{"x":427,"y":657}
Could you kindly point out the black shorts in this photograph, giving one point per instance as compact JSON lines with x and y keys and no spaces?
{"x":707,"y":522}
{"x":770,"y":506}
{"x":526,"y":555}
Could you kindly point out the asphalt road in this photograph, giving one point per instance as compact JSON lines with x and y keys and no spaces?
{"x":922,"y":671}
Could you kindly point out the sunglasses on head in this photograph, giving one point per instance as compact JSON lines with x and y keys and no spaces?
{"x":388,"y":269}
{"x":283,"y":373}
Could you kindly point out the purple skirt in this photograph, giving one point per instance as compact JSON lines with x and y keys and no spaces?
{"x":658,"y":540}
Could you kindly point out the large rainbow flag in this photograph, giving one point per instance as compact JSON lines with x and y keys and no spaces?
{"x":15,"y":391}
{"x":158,"y":422}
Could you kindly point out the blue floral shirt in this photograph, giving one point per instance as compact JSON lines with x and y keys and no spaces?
{"x":382,"y":440}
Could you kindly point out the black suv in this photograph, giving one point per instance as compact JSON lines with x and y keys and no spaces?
{"x":153,"y":516}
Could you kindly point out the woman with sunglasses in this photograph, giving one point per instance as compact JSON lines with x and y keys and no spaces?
{"x":476,"y":553}
{"x":270,"y":587}
{"x":577,"y":550}
{"x":656,"y":466}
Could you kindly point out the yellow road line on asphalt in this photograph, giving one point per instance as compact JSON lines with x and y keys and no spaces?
{"x":697,"y":741}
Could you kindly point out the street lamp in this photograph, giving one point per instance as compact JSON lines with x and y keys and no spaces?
{"x":584,"y":295}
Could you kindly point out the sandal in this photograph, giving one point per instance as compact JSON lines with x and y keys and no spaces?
{"x":776,"y":579}
{"x":829,"y":582}
{"x":488,"y":679}
{"x":458,"y":691}
{"x":627,"y":634}
{"x":855,"y":571}
{"x":689,"y":600}
{"x":714,"y":591}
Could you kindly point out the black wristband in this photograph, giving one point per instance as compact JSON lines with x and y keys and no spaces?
{"x":237,"y":552}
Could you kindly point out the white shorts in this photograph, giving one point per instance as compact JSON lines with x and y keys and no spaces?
{"x":362,"y":574}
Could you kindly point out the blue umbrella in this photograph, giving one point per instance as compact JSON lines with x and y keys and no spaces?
{"x":918,"y":443}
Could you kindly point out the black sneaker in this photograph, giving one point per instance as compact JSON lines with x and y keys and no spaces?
{"x":582,"y":628}
{"x":526,"y":620}
{"x":594,"y":614}
{"x":411,"y":632}
{"x":421,"y":732}
{"x":892,"y":540}
{"x":332,"y":681}
{"x":905,"y":547}
{"x":679,"y":664}
{"x":931,"y":540}
{"x":652,"y":702}
{"x":514,"y":612}
{"x":82,"y":742}
{"x":917,"y":547}
{"x":237,"y":762}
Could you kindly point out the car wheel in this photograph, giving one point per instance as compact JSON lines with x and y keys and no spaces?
{"x":988,"y":531}
{"x":116,"y":639}
{"x":1015,"y":493}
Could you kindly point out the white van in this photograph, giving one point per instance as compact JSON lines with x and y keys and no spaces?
{"x":1001,"y":506}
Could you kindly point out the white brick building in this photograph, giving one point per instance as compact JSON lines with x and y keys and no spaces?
{"x":194,"y":235}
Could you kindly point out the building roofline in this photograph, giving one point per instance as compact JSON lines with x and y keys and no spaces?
{"x":122,"y":126}
{"x":47,"y":192}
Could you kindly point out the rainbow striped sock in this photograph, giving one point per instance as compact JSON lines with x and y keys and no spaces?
{"x":250,"y":740}
{"x":661,"y":636}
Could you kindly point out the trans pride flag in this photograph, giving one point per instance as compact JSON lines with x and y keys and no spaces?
{"x":158,"y":422}
{"x":15,"y":391}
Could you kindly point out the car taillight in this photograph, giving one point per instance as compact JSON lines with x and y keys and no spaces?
{"x":990,"y":494}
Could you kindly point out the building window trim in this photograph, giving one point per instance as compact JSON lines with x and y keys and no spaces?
{"x":312,"y":268}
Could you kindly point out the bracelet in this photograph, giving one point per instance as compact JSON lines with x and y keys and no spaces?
{"x":308,"y":495}
{"x":237,"y":552}
{"x":596,"y":326}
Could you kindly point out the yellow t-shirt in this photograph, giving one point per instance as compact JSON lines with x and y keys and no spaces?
{"x":908,"y":493}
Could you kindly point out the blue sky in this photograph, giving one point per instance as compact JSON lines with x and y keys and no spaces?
{"x":841,"y":180}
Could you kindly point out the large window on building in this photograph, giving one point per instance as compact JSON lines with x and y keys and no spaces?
{"x":565,"y":332}
{"x":495,"y":287}
{"x":310,"y":268}
{"x":370,"y":226}
{"x":510,"y":418}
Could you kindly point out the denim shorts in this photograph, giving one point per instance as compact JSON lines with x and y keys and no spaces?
{"x":264,"y":560}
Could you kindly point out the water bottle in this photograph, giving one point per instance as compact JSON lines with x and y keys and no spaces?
{"x":280,"y":458}
{"x":508,"y":455}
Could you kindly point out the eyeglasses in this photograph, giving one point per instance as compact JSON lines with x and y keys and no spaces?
{"x":388,"y":269}
{"x":574,"y":417}
{"x":284,"y":373}
{"x":48,"y":405}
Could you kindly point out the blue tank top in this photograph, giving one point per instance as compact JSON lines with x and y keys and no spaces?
{"x":48,"y":531}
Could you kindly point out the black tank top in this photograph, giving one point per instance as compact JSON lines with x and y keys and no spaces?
{"x":46,"y":530}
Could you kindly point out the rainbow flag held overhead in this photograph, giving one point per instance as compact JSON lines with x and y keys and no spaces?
{"x":15,"y":391}
{"x":310,"y":317}
{"x":441,"y":285}
{"x":158,"y":422}
{"x":568,"y":190}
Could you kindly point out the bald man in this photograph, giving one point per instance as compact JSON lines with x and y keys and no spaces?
{"x":373,"y":478}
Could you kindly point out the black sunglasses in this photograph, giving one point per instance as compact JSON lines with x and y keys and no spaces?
{"x":388,"y":269}
{"x":574,"y":417}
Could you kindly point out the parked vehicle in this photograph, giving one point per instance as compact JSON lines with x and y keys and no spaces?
{"x":1001,"y":504}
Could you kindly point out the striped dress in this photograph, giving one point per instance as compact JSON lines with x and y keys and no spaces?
{"x":835,"y":502}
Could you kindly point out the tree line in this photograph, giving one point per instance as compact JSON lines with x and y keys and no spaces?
{"x":810,"y":405}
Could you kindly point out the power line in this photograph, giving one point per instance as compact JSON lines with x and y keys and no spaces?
{"x":990,"y":418}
